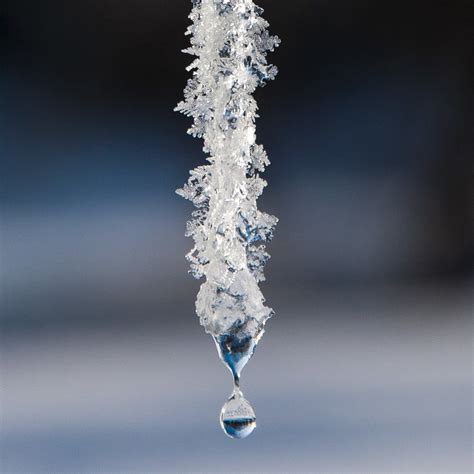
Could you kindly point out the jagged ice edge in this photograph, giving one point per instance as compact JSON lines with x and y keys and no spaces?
{"x":230,"y":40}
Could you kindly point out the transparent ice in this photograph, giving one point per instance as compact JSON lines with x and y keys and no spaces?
{"x":230,"y":41}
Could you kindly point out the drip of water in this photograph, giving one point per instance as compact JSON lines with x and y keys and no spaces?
{"x":235,"y":349}
{"x":238,"y":418}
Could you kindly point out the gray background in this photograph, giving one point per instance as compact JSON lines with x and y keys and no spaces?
{"x":367,"y":363}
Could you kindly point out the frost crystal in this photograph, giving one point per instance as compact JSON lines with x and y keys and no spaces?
{"x":230,"y":40}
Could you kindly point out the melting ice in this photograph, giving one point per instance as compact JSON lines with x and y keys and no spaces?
{"x":230,"y":41}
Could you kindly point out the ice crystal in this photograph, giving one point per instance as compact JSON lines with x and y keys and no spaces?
{"x":230,"y":41}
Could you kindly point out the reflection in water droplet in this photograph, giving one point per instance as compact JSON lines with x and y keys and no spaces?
{"x":238,"y":417}
{"x":235,"y":350}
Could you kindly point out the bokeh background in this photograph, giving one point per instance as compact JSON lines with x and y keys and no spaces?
{"x":367,"y":363}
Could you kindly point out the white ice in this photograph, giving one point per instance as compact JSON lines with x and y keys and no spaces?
{"x":230,"y":40}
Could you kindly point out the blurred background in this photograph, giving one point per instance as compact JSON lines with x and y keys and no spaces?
{"x":367,"y":364}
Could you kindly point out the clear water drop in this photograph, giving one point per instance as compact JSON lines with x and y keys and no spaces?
{"x":235,"y":349}
{"x":238,"y":418}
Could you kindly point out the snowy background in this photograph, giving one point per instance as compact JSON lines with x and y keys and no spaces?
{"x":367,"y":365}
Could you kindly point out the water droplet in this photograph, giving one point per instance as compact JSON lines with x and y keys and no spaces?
{"x":235,"y":350}
{"x":238,"y":418}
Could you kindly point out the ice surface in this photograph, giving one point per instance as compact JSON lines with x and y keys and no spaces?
{"x":230,"y":41}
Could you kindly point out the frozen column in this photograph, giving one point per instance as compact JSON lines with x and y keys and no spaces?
{"x":230,"y":40}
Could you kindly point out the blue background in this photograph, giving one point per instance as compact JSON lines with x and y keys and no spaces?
{"x":366,"y":365}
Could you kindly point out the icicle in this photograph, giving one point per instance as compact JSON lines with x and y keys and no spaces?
{"x":230,"y":40}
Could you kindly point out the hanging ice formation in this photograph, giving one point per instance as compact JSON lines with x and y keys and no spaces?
{"x":230,"y":40}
